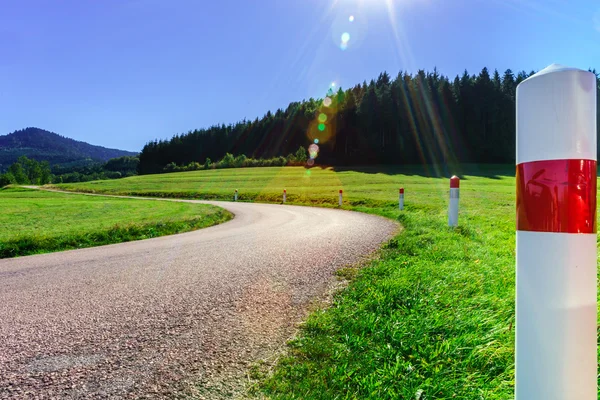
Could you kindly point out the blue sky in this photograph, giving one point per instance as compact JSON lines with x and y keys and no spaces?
{"x":119,"y":73}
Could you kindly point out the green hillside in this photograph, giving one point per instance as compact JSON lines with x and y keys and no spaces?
{"x":43,"y":145}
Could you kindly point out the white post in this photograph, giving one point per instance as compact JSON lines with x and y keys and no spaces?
{"x":340,"y":201}
{"x":556,"y":355}
{"x":401,"y":199}
{"x":453,"y":205}
{"x":284,"y":195}
{"x":235,"y":196}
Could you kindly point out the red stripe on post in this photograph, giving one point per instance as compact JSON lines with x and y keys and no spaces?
{"x":340,"y":191}
{"x":401,"y":190}
{"x":454,"y":182}
{"x":557,"y":196}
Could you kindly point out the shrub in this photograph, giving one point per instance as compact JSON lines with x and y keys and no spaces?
{"x":240,"y":161}
{"x":113,"y":174}
{"x":7,"y":179}
{"x":301,"y":155}
{"x":170,"y":167}
{"x":193,"y":166}
{"x":227,"y":161}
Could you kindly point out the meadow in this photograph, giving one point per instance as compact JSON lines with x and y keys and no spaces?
{"x":373,"y":186}
{"x":430,"y":317}
{"x":34,"y":221}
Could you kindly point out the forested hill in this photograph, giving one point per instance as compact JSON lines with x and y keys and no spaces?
{"x":42,"y":145}
{"x":406,"y":119}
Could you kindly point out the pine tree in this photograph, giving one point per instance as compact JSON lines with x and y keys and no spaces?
{"x":410,"y":119}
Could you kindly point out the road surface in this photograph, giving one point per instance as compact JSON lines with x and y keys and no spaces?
{"x":181,"y":314}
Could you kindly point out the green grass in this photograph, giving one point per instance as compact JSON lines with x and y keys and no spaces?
{"x":431,"y":317}
{"x":34,"y":221}
{"x":370,"y":186}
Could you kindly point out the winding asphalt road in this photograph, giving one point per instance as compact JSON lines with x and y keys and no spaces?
{"x":181,"y":314}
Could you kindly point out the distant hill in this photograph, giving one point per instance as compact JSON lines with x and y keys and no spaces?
{"x":43,"y":145}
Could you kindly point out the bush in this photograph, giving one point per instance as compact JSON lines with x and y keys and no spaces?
{"x":72,"y":177}
{"x":252,"y":162}
{"x":171,"y":167}
{"x":301,"y":155}
{"x":193,"y":166}
{"x":7,"y":179}
{"x":242,"y":161}
{"x":227,"y":162}
{"x":113,"y":174}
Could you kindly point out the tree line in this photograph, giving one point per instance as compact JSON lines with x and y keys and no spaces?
{"x":26,"y":171}
{"x":420,"y":118}
{"x":299,"y":158}
{"x":119,"y":167}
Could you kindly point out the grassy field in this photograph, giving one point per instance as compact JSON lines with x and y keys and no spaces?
{"x":430,"y":318}
{"x":33,"y":221}
{"x":367,"y":186}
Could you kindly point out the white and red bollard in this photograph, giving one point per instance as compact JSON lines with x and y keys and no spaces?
{"x":341,"y":198}
{"x":284,"y":196}
{"x":401,"y":199}
{"x":556,"y":299}
{"x":453,"y":204}
{"x":235,"y":196}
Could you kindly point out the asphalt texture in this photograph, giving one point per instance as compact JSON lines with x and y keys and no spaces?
{"x":181,"y":315}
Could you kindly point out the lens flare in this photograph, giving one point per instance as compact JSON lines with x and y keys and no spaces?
{"x":346,"y":26}
{"x":321,"y":127}
{"x":313,"y":151}
{"x":310,"y":163}
{"x":316,"y":141}
{"x":327,"y":102}
{"x":345,"y":40}
{"x":322,"y":117}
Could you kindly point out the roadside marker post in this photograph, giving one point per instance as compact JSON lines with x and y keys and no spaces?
{"x":341,"y":198}
{"x":284,"y":196}
{"x":453,"y":204}
{"x":556,"y":299}
{"x":235,"y":196}
{"x":401,"y":199}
